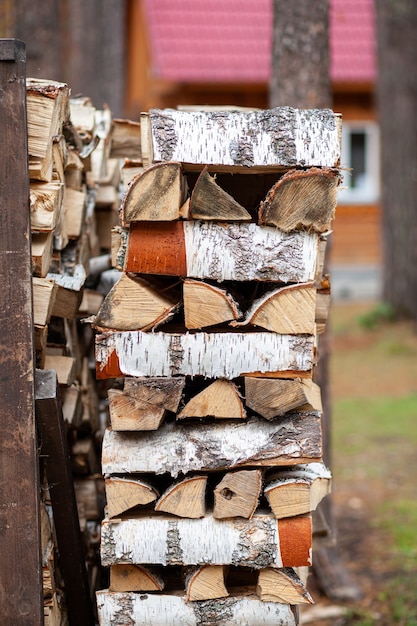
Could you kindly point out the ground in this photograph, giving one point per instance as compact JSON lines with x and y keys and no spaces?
{"x":373,"y":375}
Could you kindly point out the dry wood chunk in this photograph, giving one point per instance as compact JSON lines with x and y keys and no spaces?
{"x":123,"y":494}
{"x":237,"y":494}
{"x":44,"y":296}
{"x":221,"y":399}
{"x":274,"y":397}
{"x":206,"y":583}
{"x":155,"y":195}
{"x":211,"y":202}
{"x":125,"y":140}
{"x":302,"y":199}
{"x":299,"y":491}
{"x":162,"y":392}
{"x":186,"y":498}
{"x":128,"y":577}
{"x":282,"y":585}
{"x":128,"y":413}
{"x":288,"y":310}
{"x":136,"y":304}
{"x":45,"y":205}
{"x":206,"y":305}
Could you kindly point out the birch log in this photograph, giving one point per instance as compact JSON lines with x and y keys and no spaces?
{"x":220,"y":399}
{"x":299,"y":490}
{"x":302,"y":199}
{"x":212,"y":355}
{"x":259,"y":542}
{"x":123,"y":494}
{"x":271,"y":398}
{"x":288,"y":310}
{"x":219,"y":446}
{"x":186,"y":498}
{"x":237,"y":494}
{"x":235,"y":251}
{"x":155,"y":195}
{"x":211,"y":202}
{"x":206,"y":305}
{"x":128,"y":577}
{"x":172,"y":610}
{"x":277,"y":137}
{"x":282,"y":585}
{"x":206,"y":583}
{"x":137,"y":304}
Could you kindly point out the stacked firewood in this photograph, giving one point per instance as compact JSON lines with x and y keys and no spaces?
{"x":71,"y":174}
{"x":213,"y":461}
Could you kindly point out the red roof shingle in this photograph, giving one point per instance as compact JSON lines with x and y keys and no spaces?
{"x":230,"y":40}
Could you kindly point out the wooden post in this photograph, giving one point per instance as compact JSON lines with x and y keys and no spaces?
{"x":21,"y":600}
{"x":54,"y":450}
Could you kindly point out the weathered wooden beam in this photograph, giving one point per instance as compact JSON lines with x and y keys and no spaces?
{"x":21,"y":598}
{"x":54,"y":450}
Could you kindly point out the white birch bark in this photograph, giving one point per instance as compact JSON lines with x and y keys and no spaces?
{"x":213,"y":355}
{"x":171,"y":610}
{"x":283,"y":136}
{"x":249,"y":252}
{"x":164,"y":540}
{"x":180,"y":449}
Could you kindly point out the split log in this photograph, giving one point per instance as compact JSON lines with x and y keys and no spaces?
{"x":205,"y":583}
{"x":221,"y":399}
{"x":323,"y":299}
{"x":45,"y":205}
{"x":125,"y":140}
{"x":211,"y":202}
{"x":273,"y":397}
{"x":302,"y":199}
{"x":64,"y":367}
{"x":136,"y":304}
{"x":155,"y":195}
{"x":186,"y":498}
{"x":206,"y":305}
{"x":69,"y":293}
{"x":128,"y":413}
{"x":128,"y":577}
{"x":262,"y":541}
{"x":214,"y":447}
{"x":299,"y":490}
{"x":44,"y":295}
{"x":74,"y":211}
{"x":217,"y":252}
{"x":47,"y":104}
{"x":213,"y":355}
{"x":170,"y":610}
{"x":42,"y":246}
{"x":143,"y":403}
{"x":282,"y":585}
{"x":123,"y":494}
{"x":288,"y":310}
{"x":283,"y":136}
{"x":237,"y":494}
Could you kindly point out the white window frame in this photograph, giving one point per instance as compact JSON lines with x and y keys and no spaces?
{"x":369,"y":192}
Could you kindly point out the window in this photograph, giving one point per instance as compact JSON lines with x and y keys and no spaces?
{"x":360,"y":157}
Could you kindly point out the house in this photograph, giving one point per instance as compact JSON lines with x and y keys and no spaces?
{"x":218,"y":52}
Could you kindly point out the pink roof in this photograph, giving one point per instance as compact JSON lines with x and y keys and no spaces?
{"x":230,"y":40}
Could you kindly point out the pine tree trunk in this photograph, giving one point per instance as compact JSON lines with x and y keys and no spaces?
{"x":397,"y":98}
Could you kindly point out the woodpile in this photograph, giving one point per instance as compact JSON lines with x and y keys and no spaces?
{"x":74,"y":198}
{"x":212,"y":462}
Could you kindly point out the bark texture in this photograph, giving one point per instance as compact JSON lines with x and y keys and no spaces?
{"x":397,"y":99}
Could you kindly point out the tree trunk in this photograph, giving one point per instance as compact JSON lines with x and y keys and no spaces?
{"x":397,"y":92}
{"x":300,"y":78}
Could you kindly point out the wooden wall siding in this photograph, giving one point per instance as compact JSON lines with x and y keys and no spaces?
{"x":21,"y":600}
{"x":357,"y":235}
